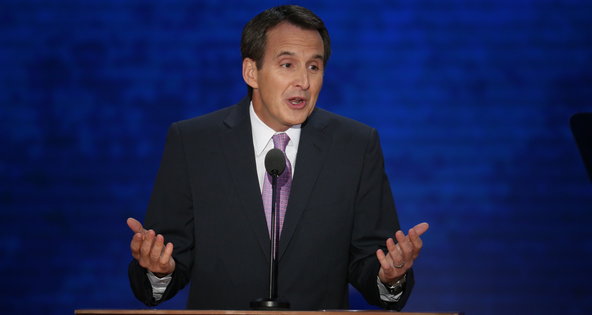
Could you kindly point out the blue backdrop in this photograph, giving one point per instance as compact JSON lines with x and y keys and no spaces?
{"x":471,"y":98}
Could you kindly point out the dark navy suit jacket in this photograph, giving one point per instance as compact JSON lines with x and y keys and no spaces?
{"x":207,"y":202}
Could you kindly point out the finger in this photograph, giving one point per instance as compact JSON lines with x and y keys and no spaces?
{"x":390,"y":245}
{"x":415,"y":240}
{"x":403,"y":242}
{"x":394,"y":253}
{"x":394,"y":256}
{"x":421,"y":228}
{"x":135,"y":245}
{"x":388,"y":271}
{"x":405,"y":246}
{"x":157,"y":249}
{"x":135,"y":225}
{"x":382,"y":259}
{"x":397,"y":256}
{"x":167,"y":254}
{"x":147,"y":241}
{"x":400,"y":236}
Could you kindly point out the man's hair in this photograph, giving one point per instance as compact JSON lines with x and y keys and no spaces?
{"x":254,"y":37}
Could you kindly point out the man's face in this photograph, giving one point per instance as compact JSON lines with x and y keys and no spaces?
{"x":286,"y":88}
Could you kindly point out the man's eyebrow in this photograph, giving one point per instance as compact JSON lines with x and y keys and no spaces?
{"x":285,"y":53}
{"x":290,"y":53}
{"x":318,"y":57}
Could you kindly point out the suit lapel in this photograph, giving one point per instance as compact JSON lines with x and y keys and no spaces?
{"x":240,"y":159}
{"x":309,"y":161}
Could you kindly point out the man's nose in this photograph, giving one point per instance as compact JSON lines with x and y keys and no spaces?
{"x":302,"y":79}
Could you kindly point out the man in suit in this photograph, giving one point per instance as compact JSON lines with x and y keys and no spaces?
{"x":207,"y":201}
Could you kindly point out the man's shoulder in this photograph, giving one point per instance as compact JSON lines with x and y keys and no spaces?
{"x":339,"y":123}
{"x":214,"y":120}
{"x":206,"y":120}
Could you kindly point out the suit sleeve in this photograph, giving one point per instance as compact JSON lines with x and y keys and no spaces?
{"x":375,"y":221}
{"x":170,"y":213}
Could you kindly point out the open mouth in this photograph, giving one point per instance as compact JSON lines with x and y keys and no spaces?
{"x":297,"y":102}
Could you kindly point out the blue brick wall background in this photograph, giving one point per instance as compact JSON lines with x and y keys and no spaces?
{"x":471,"y":98}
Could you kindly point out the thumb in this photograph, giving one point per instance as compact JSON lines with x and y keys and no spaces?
{"x":421,"y":228}
{"x":135,"y":225}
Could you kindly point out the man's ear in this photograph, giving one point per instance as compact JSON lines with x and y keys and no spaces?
{"x":250,"y":72}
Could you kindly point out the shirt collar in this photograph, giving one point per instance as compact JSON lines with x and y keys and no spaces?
{"x":262,"y":133}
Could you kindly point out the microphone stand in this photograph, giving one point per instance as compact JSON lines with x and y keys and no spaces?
{"x":272,"y":302}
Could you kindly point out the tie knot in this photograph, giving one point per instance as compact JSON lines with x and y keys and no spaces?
{"x":280,"y":141}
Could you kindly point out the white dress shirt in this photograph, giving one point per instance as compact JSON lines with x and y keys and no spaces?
{"x":263,"y":142}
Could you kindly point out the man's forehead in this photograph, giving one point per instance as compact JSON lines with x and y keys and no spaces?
{"x":288,"y":30}
{"x":287,"y":39}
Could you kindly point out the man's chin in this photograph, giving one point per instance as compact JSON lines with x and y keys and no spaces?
{"x":300,"y":118}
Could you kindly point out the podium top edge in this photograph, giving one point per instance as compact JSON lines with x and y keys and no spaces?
{"x":250,"y":312}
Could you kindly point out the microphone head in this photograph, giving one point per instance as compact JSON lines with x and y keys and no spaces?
{"x":275,"y":162}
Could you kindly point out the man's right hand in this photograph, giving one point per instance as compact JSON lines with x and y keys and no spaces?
{"x":149,"y":250}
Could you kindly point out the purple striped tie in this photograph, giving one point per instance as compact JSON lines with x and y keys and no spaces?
{"x":284,"y":183}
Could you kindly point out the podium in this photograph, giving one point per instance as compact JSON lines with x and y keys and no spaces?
{"x":250,"y":312}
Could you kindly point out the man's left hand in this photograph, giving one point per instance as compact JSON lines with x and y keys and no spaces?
{"x":400,"y":256}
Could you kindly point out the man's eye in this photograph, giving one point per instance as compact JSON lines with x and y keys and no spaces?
{"x":314,"y":67}
{"x":286,"y":65}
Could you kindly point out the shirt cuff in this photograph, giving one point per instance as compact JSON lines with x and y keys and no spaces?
{"x":385,"y":295}
{"x":159,"y":285}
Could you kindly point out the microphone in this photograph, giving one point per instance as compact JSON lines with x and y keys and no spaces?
{"x":275,"y":164}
